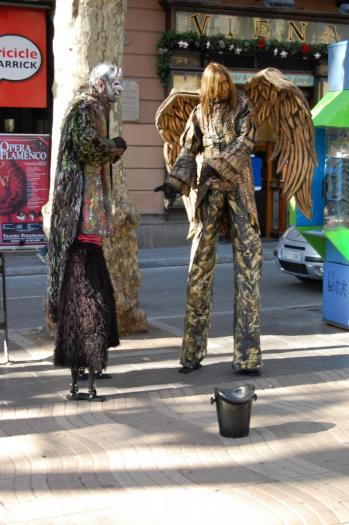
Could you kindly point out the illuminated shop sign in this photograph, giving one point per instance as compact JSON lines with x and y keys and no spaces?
{"x":23,"y":76}
{"x":20,"y":58}
{"x":258,"y":27}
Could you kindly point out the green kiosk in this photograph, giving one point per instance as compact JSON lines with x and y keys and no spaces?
{"x":328,"y":230}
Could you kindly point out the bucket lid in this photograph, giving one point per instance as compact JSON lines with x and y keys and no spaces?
{"x":237,"y":395}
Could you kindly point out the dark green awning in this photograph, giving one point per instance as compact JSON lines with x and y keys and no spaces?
{"x":332,"y":110}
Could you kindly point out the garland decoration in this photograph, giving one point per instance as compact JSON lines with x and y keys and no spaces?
{"x":171,"y":42}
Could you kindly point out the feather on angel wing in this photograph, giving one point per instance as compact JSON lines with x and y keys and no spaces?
{"x":170,"y":120}
{"x":276,"y":100}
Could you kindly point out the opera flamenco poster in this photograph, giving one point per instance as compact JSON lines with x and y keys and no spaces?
{"x":23,"y":61}
{"x":24,"y":188}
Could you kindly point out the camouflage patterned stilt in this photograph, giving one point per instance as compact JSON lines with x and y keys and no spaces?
{"x":200,"y":281}
{"x":247,"y":270}
{"x":248,"y":260}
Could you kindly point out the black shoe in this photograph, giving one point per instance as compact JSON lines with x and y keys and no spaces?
{"x":188,"y":367}
{"x":249,"y":371}
{"x":85,"y":396}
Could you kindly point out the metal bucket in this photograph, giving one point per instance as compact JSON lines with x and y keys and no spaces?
{"x":234,"y":409}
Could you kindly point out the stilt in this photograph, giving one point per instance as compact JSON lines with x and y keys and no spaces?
{"x":74,"y":385}
{"x":92,"y":392}
{"x":91,"y":395}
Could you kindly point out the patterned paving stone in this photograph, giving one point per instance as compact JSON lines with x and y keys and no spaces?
{"x":152,"y":453}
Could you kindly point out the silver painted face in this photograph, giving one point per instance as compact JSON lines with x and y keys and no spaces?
{"x":112,"y":89}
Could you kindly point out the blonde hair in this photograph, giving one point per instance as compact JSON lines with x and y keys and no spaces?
{"x":211,"y":87}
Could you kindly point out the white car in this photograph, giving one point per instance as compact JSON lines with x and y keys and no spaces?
{"x":295,"y":256}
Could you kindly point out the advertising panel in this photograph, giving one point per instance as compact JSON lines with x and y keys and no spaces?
{"x":24,"y":189}
{"x":23,"y":77}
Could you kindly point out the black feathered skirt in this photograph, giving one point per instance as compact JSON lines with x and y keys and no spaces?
{"x":86,"y":325}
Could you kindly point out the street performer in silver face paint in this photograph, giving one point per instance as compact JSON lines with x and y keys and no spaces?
{"x":81,"y":299}
{"x":220,"y":128}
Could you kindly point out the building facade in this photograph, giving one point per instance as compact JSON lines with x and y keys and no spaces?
{"x":167,"y":44}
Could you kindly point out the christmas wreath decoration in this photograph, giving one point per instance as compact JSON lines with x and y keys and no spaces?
{"x":171,"y":42}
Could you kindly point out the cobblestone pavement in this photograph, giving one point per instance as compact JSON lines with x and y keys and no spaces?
{"x":152,"y":453}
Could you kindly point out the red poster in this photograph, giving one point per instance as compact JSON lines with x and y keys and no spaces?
{"x":23,"y":77}
{"x":24,"y":188}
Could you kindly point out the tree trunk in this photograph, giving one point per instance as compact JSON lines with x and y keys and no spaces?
{"x":88,"y":32}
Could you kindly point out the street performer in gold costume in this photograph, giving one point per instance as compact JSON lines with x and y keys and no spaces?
{"x":221,"y":128}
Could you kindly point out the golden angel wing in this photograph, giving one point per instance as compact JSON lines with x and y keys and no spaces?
{"x":276,"y":100}
{"x":170,"y":120}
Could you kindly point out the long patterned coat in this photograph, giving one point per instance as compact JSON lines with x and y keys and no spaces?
{"x":84,"y":149}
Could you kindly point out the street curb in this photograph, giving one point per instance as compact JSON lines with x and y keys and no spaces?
{"x":26,"y":270}
{"x":183,"y":261}
{"x":142,"y":264}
